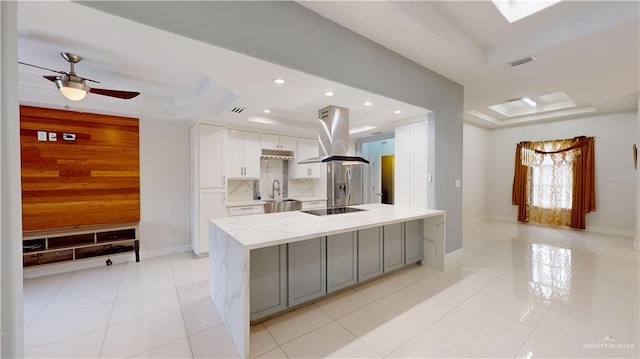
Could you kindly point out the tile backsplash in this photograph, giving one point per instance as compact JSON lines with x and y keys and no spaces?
{"x":300,"y":188}
{"x":240,"y":190}
{"x":270,"y":170}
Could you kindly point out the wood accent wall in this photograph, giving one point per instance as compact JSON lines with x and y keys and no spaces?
{"x":93,"y":180}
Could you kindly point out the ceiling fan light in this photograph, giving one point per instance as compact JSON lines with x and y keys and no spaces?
{"x":74,"y":91}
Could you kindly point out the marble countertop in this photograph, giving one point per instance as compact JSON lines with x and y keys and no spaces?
{"x":309,"y":199}
{"x":264,"y":230}
{"x":249,"y":202}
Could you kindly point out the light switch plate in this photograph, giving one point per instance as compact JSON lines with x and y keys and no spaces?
{"x":53,"y":136}
{"x":458,"y":183}
{"x":42,"y":136}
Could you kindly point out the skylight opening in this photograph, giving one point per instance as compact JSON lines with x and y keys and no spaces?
{"x":514,"y":10}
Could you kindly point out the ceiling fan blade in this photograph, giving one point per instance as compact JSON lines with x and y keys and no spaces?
{"x":43,"y":68}
{"x":51,"y":78}
{"x":86,"y":79}
{"x":115,"y":93}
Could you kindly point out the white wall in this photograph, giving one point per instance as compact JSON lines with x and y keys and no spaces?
{"x":475,"y":174}
{"x":322,"y":48}
{"x":164,"y":187}
{"x":11,"y":297}
{"x":615,"y":176}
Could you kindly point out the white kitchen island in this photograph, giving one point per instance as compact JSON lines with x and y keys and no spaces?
{"x":233,"y":239}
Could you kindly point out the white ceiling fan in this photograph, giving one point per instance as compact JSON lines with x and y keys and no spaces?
{"x":75,"y":87}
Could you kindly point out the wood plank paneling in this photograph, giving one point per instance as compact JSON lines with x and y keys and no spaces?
{"x":93,"y":180}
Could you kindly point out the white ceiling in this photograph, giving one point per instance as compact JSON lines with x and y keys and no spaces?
{"x":180,"y":78}
{"x":589,"y":50}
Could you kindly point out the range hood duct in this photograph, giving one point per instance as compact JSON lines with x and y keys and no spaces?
{"x":333,"y":137}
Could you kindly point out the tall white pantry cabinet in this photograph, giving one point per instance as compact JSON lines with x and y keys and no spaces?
{"x":411,"y":171}
{"x":206,"y":152}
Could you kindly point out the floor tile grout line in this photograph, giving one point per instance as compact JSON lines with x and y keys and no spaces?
{"x":447,"y":340}
{"x":52,"y":297}
{"x":48,"y":303}
{"x":303,"y":334}
{"x":358,"y":338}
{"x":184,"y":322}
{"x":533,"y":330}
{"x":113,"y":305}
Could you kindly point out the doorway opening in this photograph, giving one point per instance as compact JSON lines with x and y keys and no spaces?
{"x":374,"y":151}
{"x":386,"y":178}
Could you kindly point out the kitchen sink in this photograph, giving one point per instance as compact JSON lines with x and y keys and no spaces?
{"x":282,"y":205}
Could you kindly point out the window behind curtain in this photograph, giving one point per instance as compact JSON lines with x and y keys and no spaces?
{"x":550,"y":184}
{"x":552,"y":181}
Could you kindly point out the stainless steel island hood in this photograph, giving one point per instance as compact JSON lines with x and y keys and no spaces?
{"x":333,"y":137}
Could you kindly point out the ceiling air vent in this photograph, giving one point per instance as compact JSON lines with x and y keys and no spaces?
{"x":522,"y":61}
{"x":238,"y":109}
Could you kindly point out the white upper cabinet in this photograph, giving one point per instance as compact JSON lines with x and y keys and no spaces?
{"x":307,"y":148}
{"x":243,"y":154}
{"x":207,"y":146}
{"x":278,"y":143}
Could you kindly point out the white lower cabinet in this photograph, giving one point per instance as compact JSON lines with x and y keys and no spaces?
{"x":245,"y":210}
{"x":393,"y":243}
{"x":342,"y":261}
{"x":268,"y":281}
{"x":307,"y":263}
{"x":369,"y":253}
{"x":209,"y":204}
{"x":413,"y":242}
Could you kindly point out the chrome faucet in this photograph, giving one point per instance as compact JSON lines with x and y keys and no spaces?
{"x":275,"y":188}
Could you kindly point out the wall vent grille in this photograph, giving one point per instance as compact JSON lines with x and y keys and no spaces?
{"x":522,"y":61}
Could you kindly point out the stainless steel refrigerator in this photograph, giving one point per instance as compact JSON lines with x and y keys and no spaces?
{"x":344,"y":183}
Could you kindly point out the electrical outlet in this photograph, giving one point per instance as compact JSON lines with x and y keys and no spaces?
{"x":53,"y":136}
{"x":69,"y":136}
{"x":42,"y":136}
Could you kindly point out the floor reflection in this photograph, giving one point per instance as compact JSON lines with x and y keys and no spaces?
{"x":550,"y":272}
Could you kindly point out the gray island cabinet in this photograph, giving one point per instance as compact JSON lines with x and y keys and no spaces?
{"x":272,"y":263}
{"x":306,"y":270}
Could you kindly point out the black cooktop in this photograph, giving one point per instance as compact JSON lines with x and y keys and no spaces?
{"x":334,"y":210}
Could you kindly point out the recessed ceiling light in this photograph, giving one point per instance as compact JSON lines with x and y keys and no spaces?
{"x":529,"y":101}
{"x":368,"y":103}
{"x":279,"y":81}
{"x":267,"y":111}
{"x":328,"y":93}
{"x":263,"y":120}
{"x":397,"y":112}
{"x":361,"y":129}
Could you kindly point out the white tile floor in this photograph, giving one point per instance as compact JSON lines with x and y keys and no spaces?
{"x":521,"y":291}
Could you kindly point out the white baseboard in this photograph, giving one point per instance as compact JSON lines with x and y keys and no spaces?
{"x":601,"y":230}
{"x":611,"y":231}
{"x":475,"y":220}
{"x":63,"y":267}
{"x":502,"y":219}
{"x":160,"y":252}
{"x":453,"y":258}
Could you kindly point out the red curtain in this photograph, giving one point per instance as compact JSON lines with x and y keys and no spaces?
{"x":584,"y":189}
{"x":519,"y":190}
